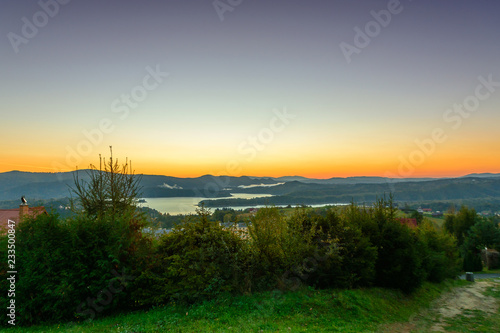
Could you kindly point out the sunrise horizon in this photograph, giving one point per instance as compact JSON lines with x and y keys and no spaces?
{"x":336,"y":89}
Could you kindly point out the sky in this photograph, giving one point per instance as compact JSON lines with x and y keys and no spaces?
{"x":318,"y":88}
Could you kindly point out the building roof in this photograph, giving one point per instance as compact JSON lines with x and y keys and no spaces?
{"x":13,"y":215}
{"x":410,"y":222}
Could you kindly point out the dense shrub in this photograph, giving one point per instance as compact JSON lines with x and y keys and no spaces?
{"x":64,"y":265}
{"x":347,"y":257}
{"x":44,"y":289}
{"x":198,"y":260}
{"x":279,"y":248}
{"x":399,"y":263}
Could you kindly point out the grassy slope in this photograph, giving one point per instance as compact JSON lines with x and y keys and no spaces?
{"x":361,"y":310}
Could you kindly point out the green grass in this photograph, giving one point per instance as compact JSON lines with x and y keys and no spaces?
{"x":360,"y":310}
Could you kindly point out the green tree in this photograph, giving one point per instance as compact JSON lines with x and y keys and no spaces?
{"x":460,"y":223}
{"x":67,"y":263}
{"x":418,"y":216}
{"x":399,"y":263}
{"x":347,"y":257}
{"x":440,"y":254}
{"x":112,"y":189}
{"x":229,"y":217}
{"x":280,"y":248}
{"x":110,"y":196}
{"x":483,"y":234}
{"x":399,"y":260}
{"x":268,"y":232}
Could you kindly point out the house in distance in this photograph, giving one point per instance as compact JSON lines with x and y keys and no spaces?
{"x":18,"y":214}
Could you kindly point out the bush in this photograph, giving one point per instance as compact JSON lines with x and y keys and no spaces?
{"x":198,"y":260}
{"x":347,"y":256}
{"x":399,"y":259}
{"x":399,"y":263}
{"x":278,"y":248}
{"x":44,"y":289}
{"x":268,"y":232}
{"x":62,"y":265}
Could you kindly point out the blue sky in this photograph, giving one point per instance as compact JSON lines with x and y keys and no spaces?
{"x":216,"y":110}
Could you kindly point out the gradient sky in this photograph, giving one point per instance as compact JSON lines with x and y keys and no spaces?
{"x":217,"y":110}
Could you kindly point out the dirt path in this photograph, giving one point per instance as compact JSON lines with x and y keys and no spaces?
{"x":451,"y":304}
{"x":461,"y":299}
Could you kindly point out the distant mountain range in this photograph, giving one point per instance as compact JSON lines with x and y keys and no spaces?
{"x":286,"y":190}
{"x":351,"y":180}
{"x":15,"y":184}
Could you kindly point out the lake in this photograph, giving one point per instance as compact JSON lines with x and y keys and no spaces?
{"x":177,"y":205}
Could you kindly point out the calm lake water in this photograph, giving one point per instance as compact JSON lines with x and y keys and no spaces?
{"x":176,"y":205}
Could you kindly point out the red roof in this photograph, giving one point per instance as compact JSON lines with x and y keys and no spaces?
{"x":411,"y":223}
{"x":13,"y":215}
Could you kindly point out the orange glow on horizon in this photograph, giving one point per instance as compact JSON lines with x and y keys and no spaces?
{"x":449,"y":163}
{"x":194,"y":173}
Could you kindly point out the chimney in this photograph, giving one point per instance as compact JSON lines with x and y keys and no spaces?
{"x":23,"y":211}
